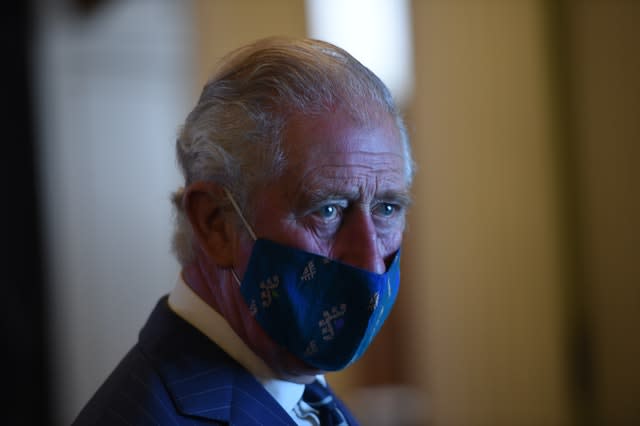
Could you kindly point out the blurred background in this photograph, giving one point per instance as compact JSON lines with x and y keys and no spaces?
{"x":520,"y":298}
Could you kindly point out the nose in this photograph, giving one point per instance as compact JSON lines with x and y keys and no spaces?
{"x":357,"y":243}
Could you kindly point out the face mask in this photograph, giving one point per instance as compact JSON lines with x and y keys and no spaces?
{"x":323,"y":311}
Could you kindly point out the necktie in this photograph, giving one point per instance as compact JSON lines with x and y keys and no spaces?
{"x":318,"y":396}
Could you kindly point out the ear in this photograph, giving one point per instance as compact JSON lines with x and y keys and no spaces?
{"x":203,"y":203}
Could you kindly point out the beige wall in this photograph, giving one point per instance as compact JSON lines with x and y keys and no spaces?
{"x":605,"y":111}
{"x":486,"y":269}
{"x":223,"y":25}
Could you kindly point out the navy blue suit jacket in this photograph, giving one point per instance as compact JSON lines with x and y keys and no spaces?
{"x":175,"y":375}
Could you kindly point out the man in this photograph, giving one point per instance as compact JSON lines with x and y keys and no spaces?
{"x":297,"y":171}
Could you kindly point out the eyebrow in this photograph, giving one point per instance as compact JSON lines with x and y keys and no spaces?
{"x":315,"y":197}
{"x":402,"y":197}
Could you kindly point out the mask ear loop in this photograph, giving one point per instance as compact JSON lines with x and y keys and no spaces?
{"x":235,"y":277}
{"x":237,"y":209}
{"x":246,"y":225}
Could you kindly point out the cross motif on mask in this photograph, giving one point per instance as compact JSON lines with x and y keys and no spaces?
{"x":269,"y":292}
{"x":331,"y":319}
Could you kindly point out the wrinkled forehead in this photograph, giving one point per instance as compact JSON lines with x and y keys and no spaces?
{"x":334,"y":152}
{"x":337,"y":132}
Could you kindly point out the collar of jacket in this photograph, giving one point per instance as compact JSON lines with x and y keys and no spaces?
{"x":201,"y":378}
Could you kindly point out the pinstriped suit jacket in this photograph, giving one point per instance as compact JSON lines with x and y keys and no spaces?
{"x":175,"y":375}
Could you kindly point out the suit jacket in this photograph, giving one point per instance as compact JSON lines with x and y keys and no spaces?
{"x":175,"y":375}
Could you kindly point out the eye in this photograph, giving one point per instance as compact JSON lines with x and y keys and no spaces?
{"x":385,"y":209}
{"x":328,"y":212}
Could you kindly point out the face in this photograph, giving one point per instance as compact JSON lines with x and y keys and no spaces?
{"x":343,"y":194}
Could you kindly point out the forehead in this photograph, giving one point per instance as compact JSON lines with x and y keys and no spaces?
{"x":334,"y":149}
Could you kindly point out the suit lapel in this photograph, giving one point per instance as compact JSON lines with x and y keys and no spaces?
{"x":201,"y":378}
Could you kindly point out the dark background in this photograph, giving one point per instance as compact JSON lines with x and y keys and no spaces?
{"x":25,"y":349}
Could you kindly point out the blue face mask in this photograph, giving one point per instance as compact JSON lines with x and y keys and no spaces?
{"x":323,"y":311}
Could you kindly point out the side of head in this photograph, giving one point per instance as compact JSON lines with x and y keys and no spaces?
{"x":233,"y":137}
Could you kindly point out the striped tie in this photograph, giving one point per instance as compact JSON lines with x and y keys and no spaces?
{"x":317,"y":396}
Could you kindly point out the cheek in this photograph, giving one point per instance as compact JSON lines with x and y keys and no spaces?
{"x":296,"y":233}
{"x":390,"y":244}
{"x":242,"y":255}
{"x":307,"y":240}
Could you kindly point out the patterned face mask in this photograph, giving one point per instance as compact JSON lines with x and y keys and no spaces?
{"x":323,"y":311}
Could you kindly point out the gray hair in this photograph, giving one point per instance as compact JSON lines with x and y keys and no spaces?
{"x":233,"y":136}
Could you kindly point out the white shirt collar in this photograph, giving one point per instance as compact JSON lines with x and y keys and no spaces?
{"x":190,"y":307}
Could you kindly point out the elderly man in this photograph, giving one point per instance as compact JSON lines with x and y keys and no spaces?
{"x":297,"y":171}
